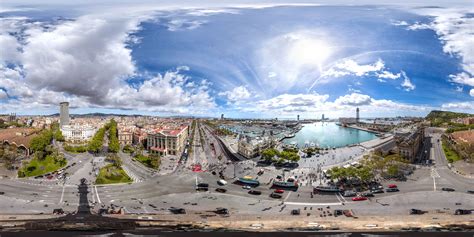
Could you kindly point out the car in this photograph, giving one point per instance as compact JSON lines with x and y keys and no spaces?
{"x":275,"y":195}
{"x":392,"y":186}
{"x":470,"y":191}
{"x":391,"y":190}
{"x":416,"y":212}
{"x":448,"y":189}
{"x":462,"y":212}
{"x":246,"y":187}
{"x":359,"y":199}
{"x":255,"y":192}
{"x":377,"y":191}
{"x":202,"y":189}
{"x":279,"y":191}
{"x":222,"y":182}
{"x":2,"y":193}
{"x":222,"y":211}
{"x":203,"y":185}
{"x":221,"y":190}
{"x":176,"y":210}
{"x":368,"y":194}
{"x":295,"y":212}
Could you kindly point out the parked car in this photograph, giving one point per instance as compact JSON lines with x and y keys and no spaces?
{"x":377,"y":191}
{"x":349,"y":193}
{"x":368,"y":194}
{"x":462,"y":212}
{"x":176,"y":210}
{"x":392,"y":186}
{"x":222,"y":182}
{"x":2,"y":193}
{"x":221,"y":190}
{"x":255,"y":192}
{"x":295,"y":212}
{"x":246,"y":187}
{"x":275,"y":195}
{"x":58,"y":211}
{"x":470,"y":191}
{"x":359,"y":199}
{"x":391,"y":190}
{"x":448,"y":189}
{"x":416,"y":212}
{"x":222,"y":211}
{"x":279,"y":191}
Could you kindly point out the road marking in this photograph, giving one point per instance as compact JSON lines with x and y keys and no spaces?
{"x":339,"y":199}
{"x":92,"y":194}
{"x":62,"y":196}
{"x":434,"y":175}
{"x":97,"y":193}
{"x":287,"y":196}
{"x":314,"y":204}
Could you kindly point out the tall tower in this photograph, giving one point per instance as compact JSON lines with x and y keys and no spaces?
{"x":298,"y":117}
{"x":357,"y":114}
{"x":63,"y":113}
{"x":322,"y":117}
{"x":222,"y":116}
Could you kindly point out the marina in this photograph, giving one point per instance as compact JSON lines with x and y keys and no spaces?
{"x":328,"y":135}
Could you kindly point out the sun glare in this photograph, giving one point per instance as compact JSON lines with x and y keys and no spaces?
{"x":309,"y":51}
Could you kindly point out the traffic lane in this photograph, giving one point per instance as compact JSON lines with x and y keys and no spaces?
{"x":423,"y":200}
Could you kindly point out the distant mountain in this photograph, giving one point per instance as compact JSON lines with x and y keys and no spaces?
{"x":438,"y":117}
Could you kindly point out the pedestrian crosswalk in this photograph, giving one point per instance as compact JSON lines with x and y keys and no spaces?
{"x":434,"y":173}
{"x":135,"y":178}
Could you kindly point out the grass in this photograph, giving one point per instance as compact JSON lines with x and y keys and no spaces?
{"x":39,"y":167}
{"x":111,"y":174}
{"x":145,"y":160}
{"x":451,"y":155}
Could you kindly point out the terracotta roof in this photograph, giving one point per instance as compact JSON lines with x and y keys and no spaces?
{"x":19,"y":136}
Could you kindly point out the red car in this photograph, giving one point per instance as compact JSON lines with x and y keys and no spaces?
{"x":392,"y":186}
{"x":359,"y":198}
{"x":279,"y":191}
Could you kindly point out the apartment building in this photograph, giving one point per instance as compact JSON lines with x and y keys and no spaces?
{"x":168,"y":141}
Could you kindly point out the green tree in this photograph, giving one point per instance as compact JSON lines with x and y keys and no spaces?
{"x":269,"y":154}
{"x":155,"y":161}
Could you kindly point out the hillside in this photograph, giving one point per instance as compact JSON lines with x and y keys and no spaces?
{"x":438,"y":117}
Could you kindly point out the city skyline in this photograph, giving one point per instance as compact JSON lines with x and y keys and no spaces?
{"x":176,"y":61}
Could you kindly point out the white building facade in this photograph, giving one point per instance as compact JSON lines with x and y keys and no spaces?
{"x":78,"y":133}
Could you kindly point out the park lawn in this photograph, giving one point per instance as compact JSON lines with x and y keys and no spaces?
{"x":39,"y":167}
{"x":145,"y":160}
{"x":111,"y":174}
{"x":451,"y":155}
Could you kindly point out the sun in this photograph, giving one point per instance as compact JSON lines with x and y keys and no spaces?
{"x":307,"y":51}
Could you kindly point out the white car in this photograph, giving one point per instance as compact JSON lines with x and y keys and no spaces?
{"x":246,"y":187}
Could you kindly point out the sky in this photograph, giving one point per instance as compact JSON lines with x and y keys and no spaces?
{"x":243,"y":59}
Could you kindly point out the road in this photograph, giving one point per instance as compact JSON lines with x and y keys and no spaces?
{"x":157,"y":193}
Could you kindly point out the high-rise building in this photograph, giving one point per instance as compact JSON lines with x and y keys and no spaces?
{"x":322,"y":117}
{"x":63,"y":113}
{"x":222,"y":116}
{"x":298,"y":117}
{"x":357,"y":114}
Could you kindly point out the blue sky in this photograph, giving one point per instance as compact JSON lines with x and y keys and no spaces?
{"x":243,"y":60}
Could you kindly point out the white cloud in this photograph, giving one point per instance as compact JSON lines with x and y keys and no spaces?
{"x":407,"y":84}
{"x":419,"y":26}
{"x":388,"y":75}
{"x":462,"y":78}
{"x":86,"y":57}
{"x":292,"y":101}
{"x":464,"y":106}
{"x":349,"y":66}
{"x":354,"y":99}
{"x":183,"y":24}
{"x":237,"y":94}
{"x":459,"y":88}
{"x":399,"y":23}
{"x":471,"y":92}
